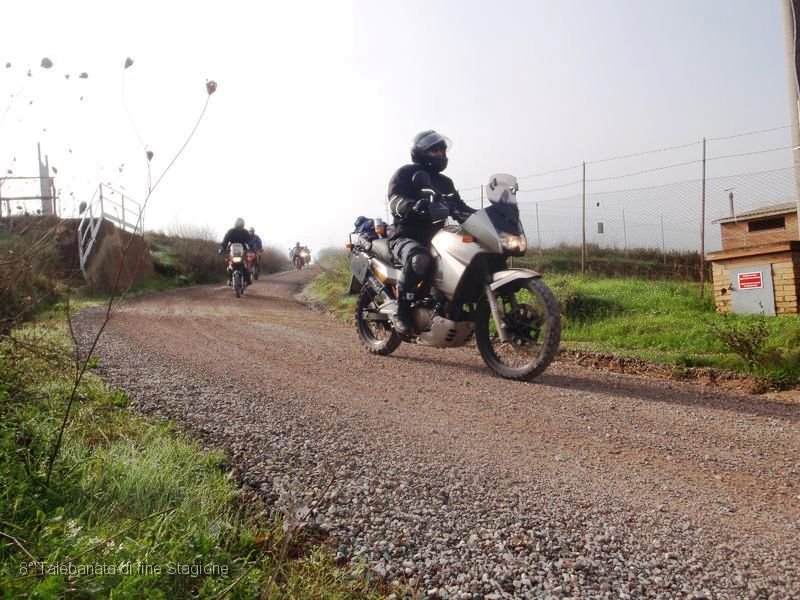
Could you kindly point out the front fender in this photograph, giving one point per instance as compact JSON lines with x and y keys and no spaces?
{"x":501,"y":278}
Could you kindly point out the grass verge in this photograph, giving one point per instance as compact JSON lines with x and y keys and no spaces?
{"x":330,"y":288}
{"x":133,"y":509}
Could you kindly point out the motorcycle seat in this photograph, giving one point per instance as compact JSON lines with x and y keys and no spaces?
{"x":380,"y":248}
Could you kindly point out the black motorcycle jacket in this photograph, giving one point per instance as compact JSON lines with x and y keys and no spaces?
{"x":403,"y":196}
{"x":236,"y":236}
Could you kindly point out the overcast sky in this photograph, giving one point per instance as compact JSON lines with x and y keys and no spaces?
{"x":318,"y":101}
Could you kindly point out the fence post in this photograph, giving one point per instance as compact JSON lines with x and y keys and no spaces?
{"x":583,"y":221}
{"x":703,"y":226}
{"x":663,"y":242}
{"x":538,"y":230}
{"x":624,"y":232}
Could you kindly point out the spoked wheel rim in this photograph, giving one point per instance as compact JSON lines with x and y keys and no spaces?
{"x":532,"y":318}
{"x":525,"y":326}
{"x":377,"y":336}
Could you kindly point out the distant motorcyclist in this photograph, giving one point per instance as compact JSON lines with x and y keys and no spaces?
{"x":236,"y":235}
{"x":299,"y":255}
{"x":256,"y":245}
{"x":413,"y":229}
{"x":295,"y":250}
{"x":255,"y":241}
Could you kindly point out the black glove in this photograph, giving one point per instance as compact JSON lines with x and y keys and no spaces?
{"x":422,"y":205}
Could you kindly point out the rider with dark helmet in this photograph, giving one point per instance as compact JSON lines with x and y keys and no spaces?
{"x":413,"y":229}
{"x":236,"y":235}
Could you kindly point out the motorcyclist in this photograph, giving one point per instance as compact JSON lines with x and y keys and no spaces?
{"x":256,"y":245}
{"x":297,"y":250}
{"x":236,"y":235}
{"x":255,"y":241}
{"x":413,"y":229}
{"x":294,"y":251}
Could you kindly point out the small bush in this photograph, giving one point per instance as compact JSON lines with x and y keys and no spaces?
{"x":187,"y":260}
{"x":274,"y":260}
{"x":745,"y":338}
{"x":331,"y":288}
{"x":28,"y":275}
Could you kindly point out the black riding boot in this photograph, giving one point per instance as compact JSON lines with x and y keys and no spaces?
{"x":404,"y":321}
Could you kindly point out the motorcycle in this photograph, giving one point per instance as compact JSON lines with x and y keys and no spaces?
{"x":470,"y":292}
{"x":300,"y":259}
{"x":253,"y":264}
{"x":237,"y":270}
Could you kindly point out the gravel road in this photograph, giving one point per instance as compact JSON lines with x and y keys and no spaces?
{"x":458,"y":484}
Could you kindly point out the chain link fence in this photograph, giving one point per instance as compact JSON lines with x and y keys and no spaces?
{"x":654,"y":213}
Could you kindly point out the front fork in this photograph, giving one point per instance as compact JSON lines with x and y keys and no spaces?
{"x":499,"y":323}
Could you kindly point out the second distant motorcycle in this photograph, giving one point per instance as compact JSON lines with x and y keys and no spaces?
{"x":252,"y":263}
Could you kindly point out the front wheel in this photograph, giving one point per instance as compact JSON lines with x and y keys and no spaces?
{"x":532,"y":318}
{"x":238,"y":284}
{"x":377,"y":336}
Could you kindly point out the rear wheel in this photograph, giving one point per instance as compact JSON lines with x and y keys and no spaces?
{"x":532,"y":317}
{"x":238,"y":285}
{"x":377,"y":336}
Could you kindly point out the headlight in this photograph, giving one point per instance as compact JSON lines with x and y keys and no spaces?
{"x":304,"y":254}
{"x":514,"y":243}
{"x":237,"y":259}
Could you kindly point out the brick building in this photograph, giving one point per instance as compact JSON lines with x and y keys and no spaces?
{"x":758,"y":269}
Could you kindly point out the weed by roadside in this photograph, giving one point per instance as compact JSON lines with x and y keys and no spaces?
{"x":330,"y":288}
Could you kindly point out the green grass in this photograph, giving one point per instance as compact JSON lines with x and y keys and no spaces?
{"x":133,"y":509}
{"x":670,"y":322}
{"x":329,"y":289}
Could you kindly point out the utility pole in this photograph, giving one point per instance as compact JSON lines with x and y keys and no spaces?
{"x":791,"y":29}
{"x":703,"y":226}
{"x":583,"y":221}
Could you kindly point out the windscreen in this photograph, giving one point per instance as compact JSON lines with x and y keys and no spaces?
{"x":502,"y":189}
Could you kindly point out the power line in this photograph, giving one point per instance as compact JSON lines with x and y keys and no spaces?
{"x":672,"y":166}
{"x":752,"y":153}
{"x":552,"y":187}
{"x":655,"y":187}
{"x":602,"y":160}
{"x":691,"y":162}
{"x":550,"y":172}
{"x":654,"y":151}
{"x":738,"y":135}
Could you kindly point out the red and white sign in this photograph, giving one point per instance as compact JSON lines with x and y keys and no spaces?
{"x":751,"y":281}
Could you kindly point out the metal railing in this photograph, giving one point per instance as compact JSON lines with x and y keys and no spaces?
{"x":16,"y":193}
{"x":114,"y":206}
